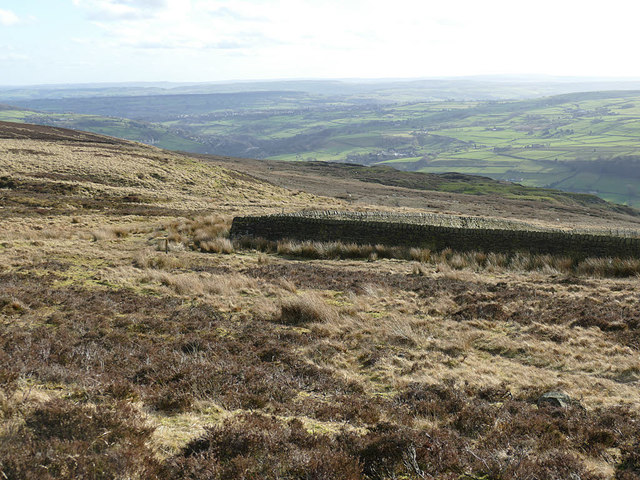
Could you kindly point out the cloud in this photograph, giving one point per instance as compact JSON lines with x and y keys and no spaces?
{"x":189,"y":37}
{"x":8,"y":18}
{"x":352,"y":37}
{"x":248,"y":25}
{"x":8,"y":53}
{"x":12,"y":56}
{"x":190,"y":44}
{"x":119,"y":10}
{"x":195,"y":25}
{"x":233,"y":14}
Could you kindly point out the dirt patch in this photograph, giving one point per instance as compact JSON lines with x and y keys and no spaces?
{"x":314,"y":275}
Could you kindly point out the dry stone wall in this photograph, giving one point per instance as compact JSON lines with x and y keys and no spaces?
{"x":391,"y":230}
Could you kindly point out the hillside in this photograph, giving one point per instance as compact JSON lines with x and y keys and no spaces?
{"x":66,"y":170}
{"x":451,"y":193}
{"x":580,"y":142}
{"x":138,"y":341}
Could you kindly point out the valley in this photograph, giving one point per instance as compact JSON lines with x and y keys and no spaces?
{"x":577,"y":142}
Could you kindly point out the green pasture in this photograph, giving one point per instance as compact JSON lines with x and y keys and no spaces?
{"x":14,"y":115}
{"x":400,"y":161}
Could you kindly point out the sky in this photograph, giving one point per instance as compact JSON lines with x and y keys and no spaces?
{"x":91,"y":41}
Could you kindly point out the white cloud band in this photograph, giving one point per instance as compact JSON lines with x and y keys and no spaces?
{"x":8,"y":18}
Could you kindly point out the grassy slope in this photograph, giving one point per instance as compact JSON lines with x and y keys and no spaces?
{"x":383,"y":186}
{"x":120,"y":354}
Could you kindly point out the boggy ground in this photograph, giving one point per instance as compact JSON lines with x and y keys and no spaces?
{"x":118,"y":360}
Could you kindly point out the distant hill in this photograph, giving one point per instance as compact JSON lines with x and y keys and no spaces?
{"x":487,"y":87}
{"x":160,"y":108}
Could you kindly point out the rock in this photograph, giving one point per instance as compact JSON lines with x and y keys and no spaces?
{"x":555,"y":399}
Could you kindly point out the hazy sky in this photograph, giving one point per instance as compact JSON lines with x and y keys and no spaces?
{"x":74,"y":41}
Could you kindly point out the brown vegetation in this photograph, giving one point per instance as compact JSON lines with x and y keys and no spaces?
{"x":363,"y":193}
{"x":477,"y":261}
{"x":122,"y":356}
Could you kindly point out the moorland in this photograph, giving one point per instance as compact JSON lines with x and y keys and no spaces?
{"x":139,"y":341}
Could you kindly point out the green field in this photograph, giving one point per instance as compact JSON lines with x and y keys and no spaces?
{"x":582,"y":142}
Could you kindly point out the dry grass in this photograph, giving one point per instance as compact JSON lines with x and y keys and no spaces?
{"x":133,"y":178}
{"x":206,"y":234}
{"x":159,"y":261}
{"x":393,"y":330}
{"x":109,"y":233}
{"x":218,"y":245}
{"x":208,"y":228}
{"x":334,"y":250}
{"x":10,"y":305}
{"x":304,"y":309}
{"x":217,"y":366}
{"x":195,"y":284}
{"x":450,"y":260}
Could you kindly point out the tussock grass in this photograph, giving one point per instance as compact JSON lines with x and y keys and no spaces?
{"x":336,"y":250}
{"x":609,"y":267}
{"x":109,"y":233}
{"x":209,"y":227}
{"x":304,"y":309}
{"x":11,"y":305}
{"x":151,"y":259}
{"x":263,"y":259}
{"x":54,"y":233}
{"x":288,"y":285}
{"x":447,"y":258}
{"x":208,"y":234}
{"x":420,"y":254}
{"x":217,"y":245}
{"x":37,"y":233}
{"x":196,"y":284}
